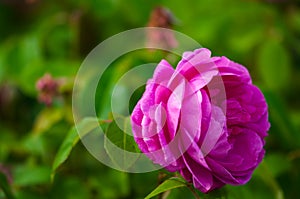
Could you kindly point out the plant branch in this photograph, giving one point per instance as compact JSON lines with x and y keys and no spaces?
{"x":193,"y":192}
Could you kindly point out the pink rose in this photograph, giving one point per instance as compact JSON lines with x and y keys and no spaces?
{"x":204,"y":119}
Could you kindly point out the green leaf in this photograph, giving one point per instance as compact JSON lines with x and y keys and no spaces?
{"x":107,"y":84}
{"x":84,"y":127}
{"x":217,"y":194}
{"x":35,"y":144}
{"x":46,"y":119}
{"x":169,"y":184}
{"x":31,"y":175}
{"x":264,"y":173}
{"x":274,"y":64}
{"x":3,"y":52}
{"x":116,"y":139}
{"x":255,"y":188}
{"x":277,"y":163}
{"x":282,"y":128}
{"x":25,"y":62}
{"x":69,"y":187}
{"x":5,"y":186}
{"x":114,"y":180}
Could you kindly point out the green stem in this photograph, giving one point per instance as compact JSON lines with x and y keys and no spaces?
{"x":269,"y":179}
{"x":294,"y":155}
{"x":193,"y":192}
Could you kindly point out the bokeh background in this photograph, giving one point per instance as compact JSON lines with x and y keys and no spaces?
{"x":42,"y":44}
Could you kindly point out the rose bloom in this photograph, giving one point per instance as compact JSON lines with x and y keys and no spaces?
{"x":205,"y":119}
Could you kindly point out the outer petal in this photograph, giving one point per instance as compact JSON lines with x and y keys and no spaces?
{"x":201,"y":177}
{"x":181,"y":122}
{"x":229,"y":69}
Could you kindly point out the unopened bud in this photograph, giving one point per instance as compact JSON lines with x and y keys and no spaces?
{"x":163,"y":18}
{"x":47,"y":87}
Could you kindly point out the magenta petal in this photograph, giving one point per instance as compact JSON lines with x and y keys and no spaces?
{"x":204,"y":119}
{"x":230,"y":68}
{"x":174,"y":106}
{"x":191,"y":59}
{"x":162,"y":73}
{"x":215,"y":131}
{"x":190,"y":114}
{"x":221,"y":172}
{"x":247,"y":142}
{"x":201,"y":177}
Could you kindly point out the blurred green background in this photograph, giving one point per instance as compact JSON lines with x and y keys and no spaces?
{"x":39,"y":37}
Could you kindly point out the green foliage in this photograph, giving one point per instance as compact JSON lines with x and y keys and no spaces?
{"x":84,"y":127}
{"x":274,"y":64}
{"x":5,"y":186}
{"x":282,"y":126}
{"x":38,"y":142}
{"x":28,"y":175}
{"x":168,"y":184}
{"x":121,"y":138}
